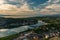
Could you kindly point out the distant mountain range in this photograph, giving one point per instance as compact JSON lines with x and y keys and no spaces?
{"x":55,"y":15}
{"x":52,"y":16}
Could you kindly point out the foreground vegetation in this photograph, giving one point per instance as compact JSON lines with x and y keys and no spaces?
{"x":11,"y":37}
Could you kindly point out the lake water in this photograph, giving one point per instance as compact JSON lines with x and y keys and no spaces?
{"x":7,"y":32}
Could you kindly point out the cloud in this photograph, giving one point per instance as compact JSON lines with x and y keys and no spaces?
{"x":35,"y":6}
{"x":18,"y":3}
{"x":2,"y":1}
{"x":25,"y":7}
{"x":36,"y":2}
{"x":51,"y":9}
{"x":4,"y":6}
{"x":7,"y":7}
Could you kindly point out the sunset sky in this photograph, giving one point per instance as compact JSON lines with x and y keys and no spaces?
{"x":11,"y":7}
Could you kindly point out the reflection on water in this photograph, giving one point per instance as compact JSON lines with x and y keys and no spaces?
{"x":6,"y":32}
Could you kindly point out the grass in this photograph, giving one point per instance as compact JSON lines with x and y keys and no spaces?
{"x":11,"y":37}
